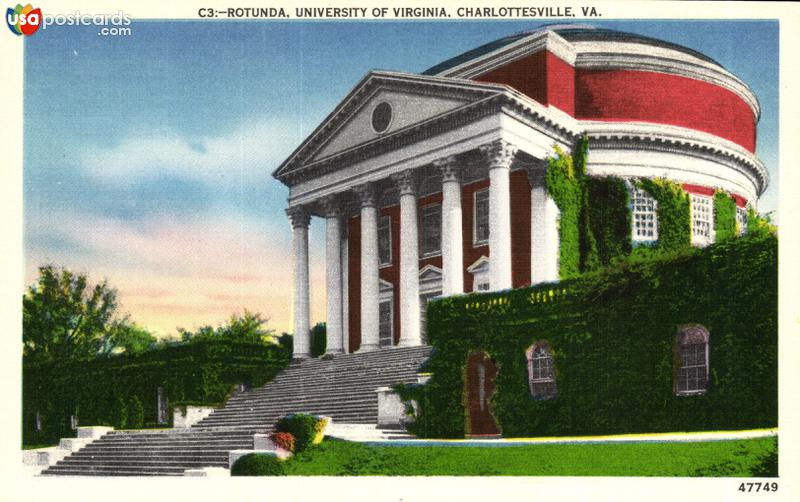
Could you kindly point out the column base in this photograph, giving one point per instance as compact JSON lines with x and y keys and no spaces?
{"x":332,"y":353}
{"x":368,"y":348}
{"x":300,"y":357}
{"x":409,"y":343}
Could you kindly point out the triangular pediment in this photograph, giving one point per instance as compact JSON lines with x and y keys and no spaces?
{"x":383,"y":106}
{"x":403,"y":107}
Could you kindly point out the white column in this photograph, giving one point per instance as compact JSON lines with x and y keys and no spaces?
{"x":370,"y":280}
{"x":499,"y":156}
{"x":345,"y":286}
{"x":409,"y":260}
{"x":333,"y":276}
{"x":452,"y":235}
{"x":300,"y":219}
{"x":544,"y":228}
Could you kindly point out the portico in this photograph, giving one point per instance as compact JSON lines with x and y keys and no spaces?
{"x":418,"y":179}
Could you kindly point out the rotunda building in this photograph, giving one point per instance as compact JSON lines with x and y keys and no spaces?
{"x":435,"y":184}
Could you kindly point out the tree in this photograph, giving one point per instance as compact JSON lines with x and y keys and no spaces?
{"x":63,"y":317}
{"x":128,"y":337}
{"x":248,"y":327}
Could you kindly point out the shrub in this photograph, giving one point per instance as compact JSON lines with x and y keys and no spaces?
{"x":283,"y":440}
{"x":136,"y":418}
{"x":302,"y":426}
{"x":120,"y":414}
{"x":319,"y":429}
{"x":256,"y":464}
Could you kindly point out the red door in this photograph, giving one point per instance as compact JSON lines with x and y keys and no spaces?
{"x":480,"y":387}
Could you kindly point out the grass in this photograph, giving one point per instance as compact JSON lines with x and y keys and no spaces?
{"x":741,"y":458}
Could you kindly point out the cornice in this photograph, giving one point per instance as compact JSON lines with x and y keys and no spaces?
{"x":537,"y":42}
{"x":502,"y":99}
{"x":678,"y":140}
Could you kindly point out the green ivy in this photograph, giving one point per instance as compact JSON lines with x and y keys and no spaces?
{"x":564,"y":183}
{"x":673,"y":212}
{"x":609,"y":214}
{"x":121,"y":391}
{"x":612,"y":336}
{"x":724,"y":216}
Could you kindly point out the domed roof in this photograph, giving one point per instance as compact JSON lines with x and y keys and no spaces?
{"x":571,"y":33}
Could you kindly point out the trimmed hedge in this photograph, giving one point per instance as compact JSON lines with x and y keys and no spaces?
{"x":612,"y":337}
{"x":121,"y":391}
{"x":255,"y":464}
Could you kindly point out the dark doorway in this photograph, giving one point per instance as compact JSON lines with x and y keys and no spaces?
{"x":481,"y":371}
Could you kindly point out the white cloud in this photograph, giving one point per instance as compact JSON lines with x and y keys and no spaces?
{"x":247,"y":154}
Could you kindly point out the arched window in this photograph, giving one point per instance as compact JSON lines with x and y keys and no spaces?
{"x":541,"y":371}
{"x":691,"y":351}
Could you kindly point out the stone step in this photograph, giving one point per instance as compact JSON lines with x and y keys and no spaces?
{"x":342,"y":388}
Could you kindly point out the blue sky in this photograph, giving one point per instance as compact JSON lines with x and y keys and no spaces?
{"x":148,"y":158}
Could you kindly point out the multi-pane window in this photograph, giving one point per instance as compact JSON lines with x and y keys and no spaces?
{"x":692,"y":361}
{"x":702,"y":220}
{"x":431,"y":229}
{"x":385,"y":240}
{"x":541,"y":372}
{"x":481,"y":217}
{"x":385,"y":324}
{"x":741,"y":220}
{"x":645,"y":221}
{"x":423,"y":312}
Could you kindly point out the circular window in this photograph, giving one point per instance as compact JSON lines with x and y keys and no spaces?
{"x":381,"y":117}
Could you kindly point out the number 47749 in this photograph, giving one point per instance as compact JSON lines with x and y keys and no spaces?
{"x":758,"y":487}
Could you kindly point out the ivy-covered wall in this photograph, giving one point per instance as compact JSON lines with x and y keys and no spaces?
{"x":724,"y":216}
{"x":612,"y":336}
{"x":673,"y":213}
{"x":122,"y":390}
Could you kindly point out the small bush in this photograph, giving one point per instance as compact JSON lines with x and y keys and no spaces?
{"x":319,"y":429}
{"x":120,"y":414}
{"x":283,"y":440}
{"x":136,"y":418}
{"x":256,"y":464}
{"x":302,"y":426}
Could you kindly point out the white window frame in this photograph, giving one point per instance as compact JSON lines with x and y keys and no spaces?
{"x":475,"y":241}
{"x":430,"y":286}
{"x":438,"y":220}
{"x":741,"y":220}
{"x":480,"y":271}
{"x":386,"y":295}
{"x":383,"y":218}
{"x":698,"y":201}
{"x":531,"y":356}
{"x":640,"y":207}
{"x":699,"y":336}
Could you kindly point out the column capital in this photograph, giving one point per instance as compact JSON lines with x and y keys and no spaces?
{"x":299,"y":216}
{"x":406,"y":182}
{"x":499,"y":154}
{"x":332,"y":206}
{"x":449,"y":168}
{"x":367,"y":194}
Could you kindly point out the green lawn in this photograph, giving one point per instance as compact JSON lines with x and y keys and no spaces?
{"x":754,"y":457}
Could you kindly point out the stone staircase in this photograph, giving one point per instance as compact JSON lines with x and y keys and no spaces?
{"x":342,"y":388}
